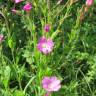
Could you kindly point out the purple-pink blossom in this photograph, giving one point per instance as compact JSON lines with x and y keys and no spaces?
{"x":47,"y":28}
{"x":51,"y":84}
{"x":1,"y":38}
{"x":89,"y":2}
{"x":45,"y":45}
{"x":18,"y":1}
{"x":27,"y":7}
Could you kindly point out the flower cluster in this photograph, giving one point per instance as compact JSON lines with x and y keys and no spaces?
{"x":27,"y":7}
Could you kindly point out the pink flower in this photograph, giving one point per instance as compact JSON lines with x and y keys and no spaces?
{"x":27,"y":7}
{"x":18,"y":1}
{"x":89,"y":2}
{"x":51,"y":84}
{"x":14,"y":10}
{"x":47,"y":28}
{"x":45,"y":45}
{"x":1,"y":38}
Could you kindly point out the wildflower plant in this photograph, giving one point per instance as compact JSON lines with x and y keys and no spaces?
{"x":47,"y":48}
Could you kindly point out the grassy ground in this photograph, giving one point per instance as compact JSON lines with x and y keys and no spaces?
{"x":72,"y":60}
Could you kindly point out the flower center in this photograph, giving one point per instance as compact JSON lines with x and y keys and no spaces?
{"x":44,"y":45}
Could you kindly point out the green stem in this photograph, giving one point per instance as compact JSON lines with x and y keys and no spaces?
{"x":20,"y":84}
{"x":30,"y":81}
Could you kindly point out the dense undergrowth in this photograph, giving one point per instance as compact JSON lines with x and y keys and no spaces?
{"x":72,"y":57}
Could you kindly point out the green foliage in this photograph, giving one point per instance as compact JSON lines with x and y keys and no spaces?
{"x":6,"y":77}
{"x":18,"y":93}
{"x":73,"y":59}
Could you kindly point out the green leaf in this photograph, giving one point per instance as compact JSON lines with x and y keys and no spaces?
{"x":11,"y":43}
{"x":18,"y":93}
{"x":6,"y":78}
{"x":94,"y":1}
